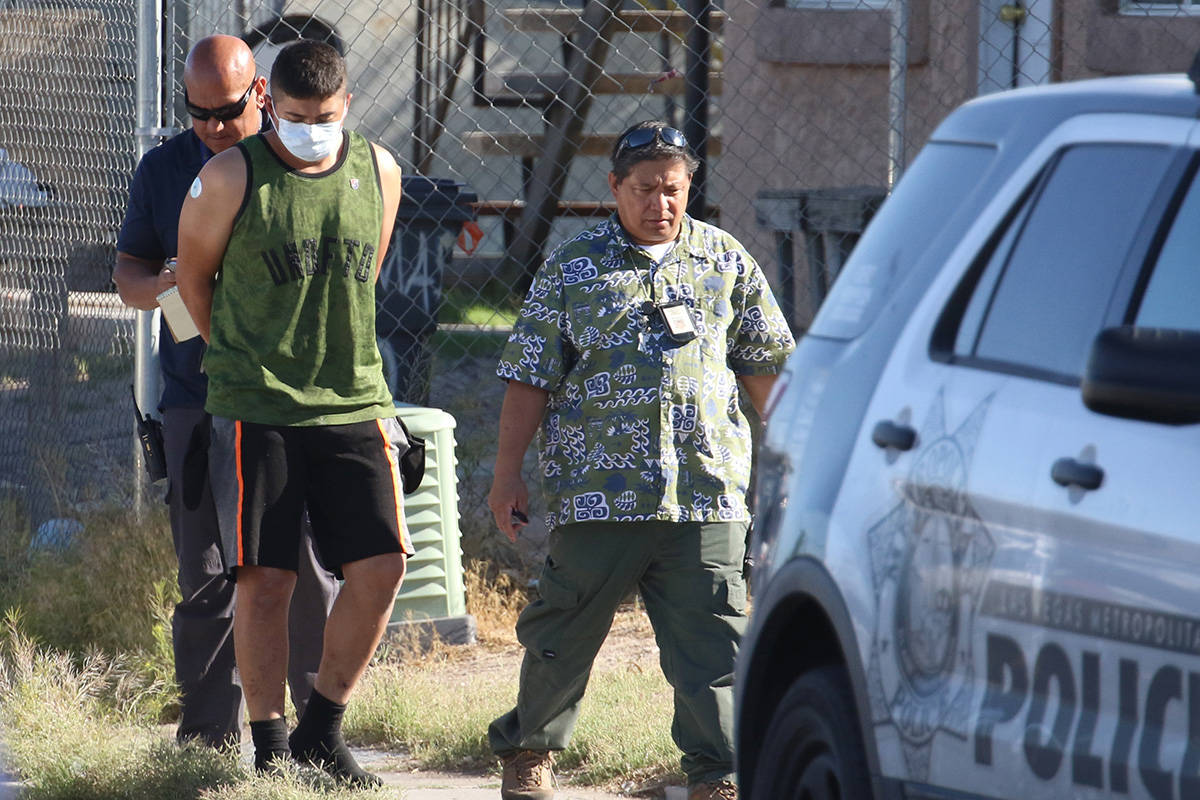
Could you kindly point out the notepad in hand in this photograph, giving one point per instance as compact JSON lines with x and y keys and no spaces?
{"x":179,"y":321}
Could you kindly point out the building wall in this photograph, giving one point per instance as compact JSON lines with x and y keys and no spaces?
{"x":810,"y":109}
{"x":1098,"y":40}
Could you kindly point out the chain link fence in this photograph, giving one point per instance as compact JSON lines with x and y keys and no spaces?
{"x":803,"y":113}
{"x":66,"y":343}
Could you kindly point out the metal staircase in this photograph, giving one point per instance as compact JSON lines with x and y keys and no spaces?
{"x":586,"y":38}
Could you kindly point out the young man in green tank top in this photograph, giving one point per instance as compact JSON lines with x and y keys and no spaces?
{"x":281,"y":240}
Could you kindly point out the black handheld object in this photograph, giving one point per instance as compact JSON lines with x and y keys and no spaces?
{"x":154,"y":454}
{"x":519,"y":516}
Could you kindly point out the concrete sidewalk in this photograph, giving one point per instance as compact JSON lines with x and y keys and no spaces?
{"x":8,"y":787}
{"x":439,"y":786}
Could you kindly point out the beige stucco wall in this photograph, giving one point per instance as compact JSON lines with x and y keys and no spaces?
{"x":798,"y":116}
{"x":796,"y":124}
{"x":1106,"y":42}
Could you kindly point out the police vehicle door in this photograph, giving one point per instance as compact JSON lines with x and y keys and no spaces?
{"x":977,"y":669}
{"x":1122,"y":621}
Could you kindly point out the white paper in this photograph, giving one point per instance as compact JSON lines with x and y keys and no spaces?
{"x":179,"y":321}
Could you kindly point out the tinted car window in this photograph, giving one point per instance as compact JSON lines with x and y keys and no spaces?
{"x":937,"y":186}
{"x":1172,"y":298}
{"x":1054,"y":274}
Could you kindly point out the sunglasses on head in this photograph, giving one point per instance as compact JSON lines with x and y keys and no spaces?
{"x":644,"y":136}
{"x":222,"y":114}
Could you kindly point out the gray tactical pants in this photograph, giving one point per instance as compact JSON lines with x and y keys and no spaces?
{"x":690,"y":577}
{"x":202,"y":627}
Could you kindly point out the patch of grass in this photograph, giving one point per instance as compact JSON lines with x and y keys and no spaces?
{"x":495,"y":599}
{"x":105,"y":589}
{"x":623,"y":732}
{"x":492,"y":303}
{"x":71,"y":731}
{"x":109,"y":589}
{"x":15,"y":365}
{"x":441,"y":719}
{"x":101,"y":367}
{"x":18,"y":364}
{"x":70,"y":737}
{"x":306,"y":785}
{"x":74,"y":730}
{"x":14,"y":544}
{"x":86,"y":679}
{"x":451,"y":347}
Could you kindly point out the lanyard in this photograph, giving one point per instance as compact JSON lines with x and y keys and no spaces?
{"x":675,"y":315}
{"x":648,"y":279}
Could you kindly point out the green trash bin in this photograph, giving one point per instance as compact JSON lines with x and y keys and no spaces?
{"x":433,"y":594}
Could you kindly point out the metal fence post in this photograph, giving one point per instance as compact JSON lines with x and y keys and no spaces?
{"x":696,"y":97}
{"x":897,"y":91}
{"x":148,"y":120}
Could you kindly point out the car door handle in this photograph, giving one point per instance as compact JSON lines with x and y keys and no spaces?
{"x":1069,"y":472}
{"x":889,"y":434}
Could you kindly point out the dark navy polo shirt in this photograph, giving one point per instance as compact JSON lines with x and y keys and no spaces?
{"x":151,"y":231}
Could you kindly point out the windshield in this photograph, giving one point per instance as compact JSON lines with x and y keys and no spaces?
{"x":938,"y":188}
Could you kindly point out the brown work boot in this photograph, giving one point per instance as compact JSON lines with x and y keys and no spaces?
{"x":527,"y":776}
{"x":720,"y":790}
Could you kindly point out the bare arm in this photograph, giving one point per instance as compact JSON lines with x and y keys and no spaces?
{"x":389,"y":181}
{"x":204,"y":228}
{"x":140,"y":281}
{"x":758,"y":387}
{"x":522,"y":412}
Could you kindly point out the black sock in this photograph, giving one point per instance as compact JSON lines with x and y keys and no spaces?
{"x":318,"y":740}
{"x":270,"y":742}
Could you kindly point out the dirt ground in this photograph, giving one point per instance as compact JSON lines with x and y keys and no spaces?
{"x":630,"y":646}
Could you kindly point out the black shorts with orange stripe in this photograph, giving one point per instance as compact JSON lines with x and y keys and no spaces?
{"x":347,"y":476}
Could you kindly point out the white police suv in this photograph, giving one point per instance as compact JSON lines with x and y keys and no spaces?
{"x":978,"y":541}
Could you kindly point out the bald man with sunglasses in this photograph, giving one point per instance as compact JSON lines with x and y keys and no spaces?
{"x":224,"y":98}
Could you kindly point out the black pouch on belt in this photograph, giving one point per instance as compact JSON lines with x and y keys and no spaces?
{"x":412,"y":460}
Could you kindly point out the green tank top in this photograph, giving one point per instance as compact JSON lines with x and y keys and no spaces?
{"x":293,"y":318}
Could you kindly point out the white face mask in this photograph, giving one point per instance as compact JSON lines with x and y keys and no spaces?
{"x":310,"y":142}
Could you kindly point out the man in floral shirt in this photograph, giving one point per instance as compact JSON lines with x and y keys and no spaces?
{"x":628,"y":353}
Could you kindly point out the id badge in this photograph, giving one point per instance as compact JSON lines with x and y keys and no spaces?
{"x":677,"y":317}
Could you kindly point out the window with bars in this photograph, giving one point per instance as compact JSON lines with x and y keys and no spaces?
{"x":1158,"y":8}
{"x":841,"y":5}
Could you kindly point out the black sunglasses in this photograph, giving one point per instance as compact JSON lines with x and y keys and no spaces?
{"x":222,"y":114}
{"x":644,"y":136}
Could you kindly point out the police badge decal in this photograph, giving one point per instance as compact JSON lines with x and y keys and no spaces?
{"x":930,"y":556}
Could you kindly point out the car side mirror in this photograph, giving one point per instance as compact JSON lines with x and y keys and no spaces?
{"x":1151,"y":374}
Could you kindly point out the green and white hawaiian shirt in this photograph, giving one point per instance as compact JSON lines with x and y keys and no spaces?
{"x":639,"y":427}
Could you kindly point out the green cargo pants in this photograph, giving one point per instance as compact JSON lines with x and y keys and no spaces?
{"x":690,"y":578}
